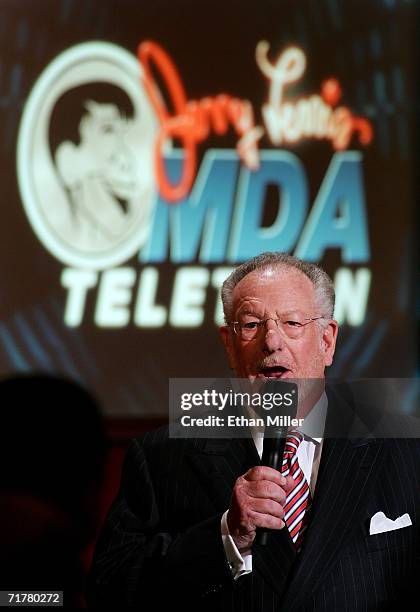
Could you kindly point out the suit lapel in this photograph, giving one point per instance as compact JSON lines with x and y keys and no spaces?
{"x":275,"y":560}
{"x":351,"y":461}
{"x":347,"y":473}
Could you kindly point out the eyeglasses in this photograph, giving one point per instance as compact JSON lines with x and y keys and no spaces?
{"x":291,"y":328}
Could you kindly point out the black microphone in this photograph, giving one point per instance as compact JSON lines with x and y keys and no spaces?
{"x":275,"y":434}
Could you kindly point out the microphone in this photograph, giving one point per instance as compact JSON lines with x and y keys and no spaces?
{"x":275,"y":435}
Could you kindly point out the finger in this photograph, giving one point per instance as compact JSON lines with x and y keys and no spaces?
{"x":266,"y":489}
{"x":266,"y":521}
{"x":263,"y":472}
{"x":266,"y":506}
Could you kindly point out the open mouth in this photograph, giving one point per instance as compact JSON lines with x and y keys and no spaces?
{"x":274,"y":372}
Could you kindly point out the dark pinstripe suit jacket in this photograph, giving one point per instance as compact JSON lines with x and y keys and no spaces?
{"x":161,"y":547}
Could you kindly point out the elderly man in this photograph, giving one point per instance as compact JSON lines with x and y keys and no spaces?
{"x":182,"y":531}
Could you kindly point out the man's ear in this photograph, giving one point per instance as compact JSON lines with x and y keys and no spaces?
{"x":227,"y":340}
{"x":329,"y":339}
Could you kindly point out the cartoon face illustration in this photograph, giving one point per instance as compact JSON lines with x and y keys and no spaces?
{"x":96,"y":165}
{"x":86,"y":156}
{"x":102,"y":153}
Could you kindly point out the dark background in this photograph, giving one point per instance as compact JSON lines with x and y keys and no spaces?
{"x":369,"y":45}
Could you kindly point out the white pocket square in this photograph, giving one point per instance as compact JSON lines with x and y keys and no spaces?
{"x":379,"y":523}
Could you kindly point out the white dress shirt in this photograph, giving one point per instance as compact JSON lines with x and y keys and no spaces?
{"x":308,"y":454}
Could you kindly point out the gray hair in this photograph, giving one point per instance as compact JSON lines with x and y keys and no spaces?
{"x":323,"y":285}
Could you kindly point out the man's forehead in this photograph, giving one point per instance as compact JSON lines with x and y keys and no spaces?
{"x":279,"y":282}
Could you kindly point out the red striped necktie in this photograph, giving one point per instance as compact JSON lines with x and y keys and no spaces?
{"x":298,"y":499}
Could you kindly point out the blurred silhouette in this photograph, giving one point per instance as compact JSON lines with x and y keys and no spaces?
{"x":52,"y":455}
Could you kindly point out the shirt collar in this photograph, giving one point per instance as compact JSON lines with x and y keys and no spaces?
{"x":314,"y":423}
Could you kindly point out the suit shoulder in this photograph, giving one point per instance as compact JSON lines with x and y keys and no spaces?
{"x":402,"y":427}
{"x":406,"y":440}
{"x":161,"y":444}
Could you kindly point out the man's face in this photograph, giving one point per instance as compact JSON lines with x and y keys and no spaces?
{"x":279,"y":293}
{"x":103,"y":150}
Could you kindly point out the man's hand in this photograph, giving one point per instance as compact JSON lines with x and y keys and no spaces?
{"x":258,"y":500}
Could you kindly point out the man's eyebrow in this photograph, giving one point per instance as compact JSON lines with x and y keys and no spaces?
{"x":247,"y":312}
{"x":288,"y":313}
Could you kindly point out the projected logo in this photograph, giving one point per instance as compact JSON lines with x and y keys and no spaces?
{"x":85,"y":157}
{"x":101,"y":181}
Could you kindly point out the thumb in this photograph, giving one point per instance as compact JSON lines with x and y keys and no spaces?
{"x":290,"y":483}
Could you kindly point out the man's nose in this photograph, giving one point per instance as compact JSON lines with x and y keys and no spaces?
{"x":273,"y":339}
